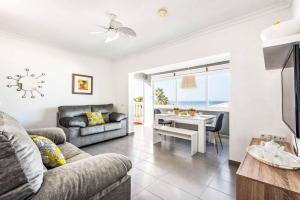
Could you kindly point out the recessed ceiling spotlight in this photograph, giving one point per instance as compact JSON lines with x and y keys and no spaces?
{"x":162,"y":12}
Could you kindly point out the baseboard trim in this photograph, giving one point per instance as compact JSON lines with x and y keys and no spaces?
{"x":234,"y":163}
{"x":131,"y":133}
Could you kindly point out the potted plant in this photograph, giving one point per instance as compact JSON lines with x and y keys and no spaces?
{"x":192,"y":112}
{"x":138,"y":99}
{"x":176,"y":111}
{"x":183,"y":113}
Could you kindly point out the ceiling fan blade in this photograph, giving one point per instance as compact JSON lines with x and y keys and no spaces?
{"x":103,"y":27}
{"x":111,"y":36}
{"x":127,"y":31}
{"x":115,"y":24}
{"x":103,"y":30}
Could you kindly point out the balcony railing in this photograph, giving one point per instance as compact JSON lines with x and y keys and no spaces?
{"x":138,"y":112}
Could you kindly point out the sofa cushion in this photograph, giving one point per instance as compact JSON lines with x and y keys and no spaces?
{"x":73,"y":111}
{"x":104,"y":108}
{"x":91,"y":130}
{"x":69,"y":150}
{"x":116,"y":117}
{"x":21,"y":167}
{"x":112,"y":126}
{"x":79,"y":121}
{"x":51,"y":154}
{"x":85,"y":178}
{"x":78,"y":157}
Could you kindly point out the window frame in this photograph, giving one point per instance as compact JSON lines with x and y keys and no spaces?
{"x":204,"y":71}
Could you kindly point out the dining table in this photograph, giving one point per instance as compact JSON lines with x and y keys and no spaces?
{"x":198,"y":137}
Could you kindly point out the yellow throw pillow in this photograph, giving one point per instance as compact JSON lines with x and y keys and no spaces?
{"x":51,"y":154}
{"x":95,"y":118}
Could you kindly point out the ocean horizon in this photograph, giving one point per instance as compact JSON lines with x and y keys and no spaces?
{"x":195,"y":104}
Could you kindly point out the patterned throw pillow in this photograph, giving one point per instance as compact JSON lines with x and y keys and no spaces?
{"x":51,"y":155}
{"x":95,"y":118}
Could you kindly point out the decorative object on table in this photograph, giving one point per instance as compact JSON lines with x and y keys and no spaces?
{"x":82,"y":84}
{"x":176,"y":111}
{"x":192,"y":112}
{"x":138,"y":99}
{"x":271,"y":153}
{"x":189,"y":82}
{"x":28,"y":83}
{"x":183,"y":113}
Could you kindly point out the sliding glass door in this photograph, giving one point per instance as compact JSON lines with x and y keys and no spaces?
{"x":213,"y":89}
{"x":192,"y":98}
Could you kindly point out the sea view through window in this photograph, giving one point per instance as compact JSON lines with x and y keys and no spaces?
{"x":212,"y":89}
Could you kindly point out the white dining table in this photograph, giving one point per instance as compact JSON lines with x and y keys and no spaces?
{"x":199,"y":120}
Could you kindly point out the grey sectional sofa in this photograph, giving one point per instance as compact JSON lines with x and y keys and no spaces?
{"x":73,"y":121}
{"x":83,"y":177}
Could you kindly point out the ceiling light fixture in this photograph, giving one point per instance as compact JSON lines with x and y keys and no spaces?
{"x":162,"y":12}
{"x":188,"y":82}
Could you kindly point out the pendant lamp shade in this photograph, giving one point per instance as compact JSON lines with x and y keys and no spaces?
{"x":188,"y":82}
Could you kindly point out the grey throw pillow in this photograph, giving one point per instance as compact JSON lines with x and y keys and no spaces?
{"x":106,"y":117}
{"x":21,"y":166}
{"x":79,"y":121}
{"x":116,"y":117}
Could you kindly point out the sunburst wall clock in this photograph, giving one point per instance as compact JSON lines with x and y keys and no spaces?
{"x":28,"y":83}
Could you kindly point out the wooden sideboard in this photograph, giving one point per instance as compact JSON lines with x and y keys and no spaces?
{"x":258,"y":181}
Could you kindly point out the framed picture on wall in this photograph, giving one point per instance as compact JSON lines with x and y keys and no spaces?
{"x":82,"y":84}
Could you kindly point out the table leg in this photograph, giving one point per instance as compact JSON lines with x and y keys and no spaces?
{"x":194,"y":144}
{"x":156,"y":135}
{"x":201,"y":137}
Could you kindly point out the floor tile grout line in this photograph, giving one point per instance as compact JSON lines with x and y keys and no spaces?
{"x":179,"y":188}
{"x":159,"y":179}
{"x":155,"y":195}
{"x":152,"y":192}
{"x":147,"y":153}
{"x":220,"y":191}
{"x":151,"y":174}
{"x":182,"y":188}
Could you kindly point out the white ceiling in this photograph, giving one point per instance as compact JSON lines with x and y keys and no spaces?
{"x":68,"y":22}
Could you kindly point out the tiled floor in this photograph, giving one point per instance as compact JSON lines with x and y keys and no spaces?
{"x":167,"y":171}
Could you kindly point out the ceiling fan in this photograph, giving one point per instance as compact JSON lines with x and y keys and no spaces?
{"x":115,"y":29}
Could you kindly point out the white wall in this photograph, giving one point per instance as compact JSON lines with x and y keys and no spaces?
{"x":255,"y":94}
{"x":296,"y":9}
{"x":17,"y":53}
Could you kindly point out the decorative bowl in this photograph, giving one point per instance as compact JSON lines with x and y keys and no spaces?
{"x":280,"y":159}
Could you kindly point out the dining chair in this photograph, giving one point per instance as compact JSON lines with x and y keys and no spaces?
{"x":216,"y":129}
{"x":161,"y":121}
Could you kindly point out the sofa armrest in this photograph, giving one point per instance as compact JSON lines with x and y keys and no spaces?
{"x":56,"y":135}
{"x":116,"y":117}
{"x":85,"y":178}
{"x":78,"y":121}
